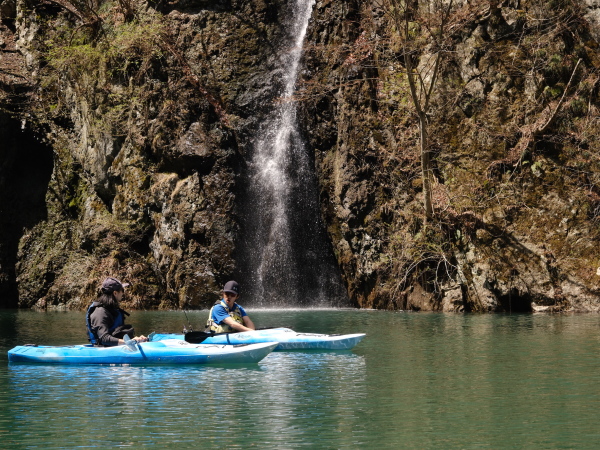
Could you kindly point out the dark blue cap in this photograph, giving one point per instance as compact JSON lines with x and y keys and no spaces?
{"x":112,"y":284}
{"x":232,"y":287}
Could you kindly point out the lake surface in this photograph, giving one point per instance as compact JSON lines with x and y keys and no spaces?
{"x":418,"y":380}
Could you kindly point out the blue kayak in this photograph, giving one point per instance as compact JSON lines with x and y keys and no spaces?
{"x":288,"y":339}
{"x":170,"y":351}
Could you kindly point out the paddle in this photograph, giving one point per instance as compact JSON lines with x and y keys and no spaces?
{"x":133,"y":345}
{"x":197,"y":337}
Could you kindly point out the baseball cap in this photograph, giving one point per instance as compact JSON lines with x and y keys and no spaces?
{"x":112,"y":284}
{"x":232,"y":287}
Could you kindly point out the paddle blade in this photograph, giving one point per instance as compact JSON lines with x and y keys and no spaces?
{"x":130,"y":343}
{"x":196,"y":337}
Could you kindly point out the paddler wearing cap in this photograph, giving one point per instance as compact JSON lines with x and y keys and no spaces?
{"x":105,"y":320}
{"x":226,"y":315}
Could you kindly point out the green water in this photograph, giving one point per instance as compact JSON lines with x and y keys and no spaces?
{"x":416,"y":381}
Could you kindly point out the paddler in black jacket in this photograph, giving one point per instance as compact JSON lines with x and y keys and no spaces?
{"x":105,"y":320}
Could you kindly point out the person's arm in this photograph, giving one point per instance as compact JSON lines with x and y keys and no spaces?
{"x":101,"y":321}
{"x":138,"y":339}
{"x":248,"y":322}
{"x":246,"y":319}
{"x":237,"y":326}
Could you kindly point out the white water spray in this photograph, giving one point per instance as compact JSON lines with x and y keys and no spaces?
{"x":283,"y":192}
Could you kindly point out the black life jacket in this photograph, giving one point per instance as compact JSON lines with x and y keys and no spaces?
{"x":118,"y":323}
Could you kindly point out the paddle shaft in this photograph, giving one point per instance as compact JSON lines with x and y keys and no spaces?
{"x":197,"y":337}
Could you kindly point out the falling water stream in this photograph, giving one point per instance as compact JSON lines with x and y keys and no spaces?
{"x":291,"y":259}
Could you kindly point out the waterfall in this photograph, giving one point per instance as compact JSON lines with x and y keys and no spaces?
{"x":290,"y":260}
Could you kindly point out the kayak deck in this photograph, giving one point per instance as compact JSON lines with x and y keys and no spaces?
{"x":170,"y":351}
{"x":288,"y":339}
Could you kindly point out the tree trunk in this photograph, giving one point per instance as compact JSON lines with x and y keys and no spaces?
{"x":425,"y":168}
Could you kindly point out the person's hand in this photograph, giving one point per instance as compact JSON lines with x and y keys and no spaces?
{"x":140,"y":339}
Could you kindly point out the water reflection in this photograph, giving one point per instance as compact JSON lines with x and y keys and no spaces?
{"x":275,"y":402}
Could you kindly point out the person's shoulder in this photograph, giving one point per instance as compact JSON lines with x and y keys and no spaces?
{"x":102,"y":310}
{"x":218,"y":308}
{"x":99,"y":313}
{"x":241,"y":308}
{"x":97,"y":309}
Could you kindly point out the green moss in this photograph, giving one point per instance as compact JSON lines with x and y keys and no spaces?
{"x":124,"y":54}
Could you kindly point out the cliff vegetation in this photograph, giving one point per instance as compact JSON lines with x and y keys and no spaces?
{"x":455,"y":146}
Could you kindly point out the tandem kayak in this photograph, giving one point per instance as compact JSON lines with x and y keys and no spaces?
{"x":169,"y":351}
{"x":288,"y":339}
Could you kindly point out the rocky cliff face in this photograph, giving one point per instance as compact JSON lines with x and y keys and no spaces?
{"x":516,"y":204}
{"x":147,"y":118}
{"x":127,"y":133}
